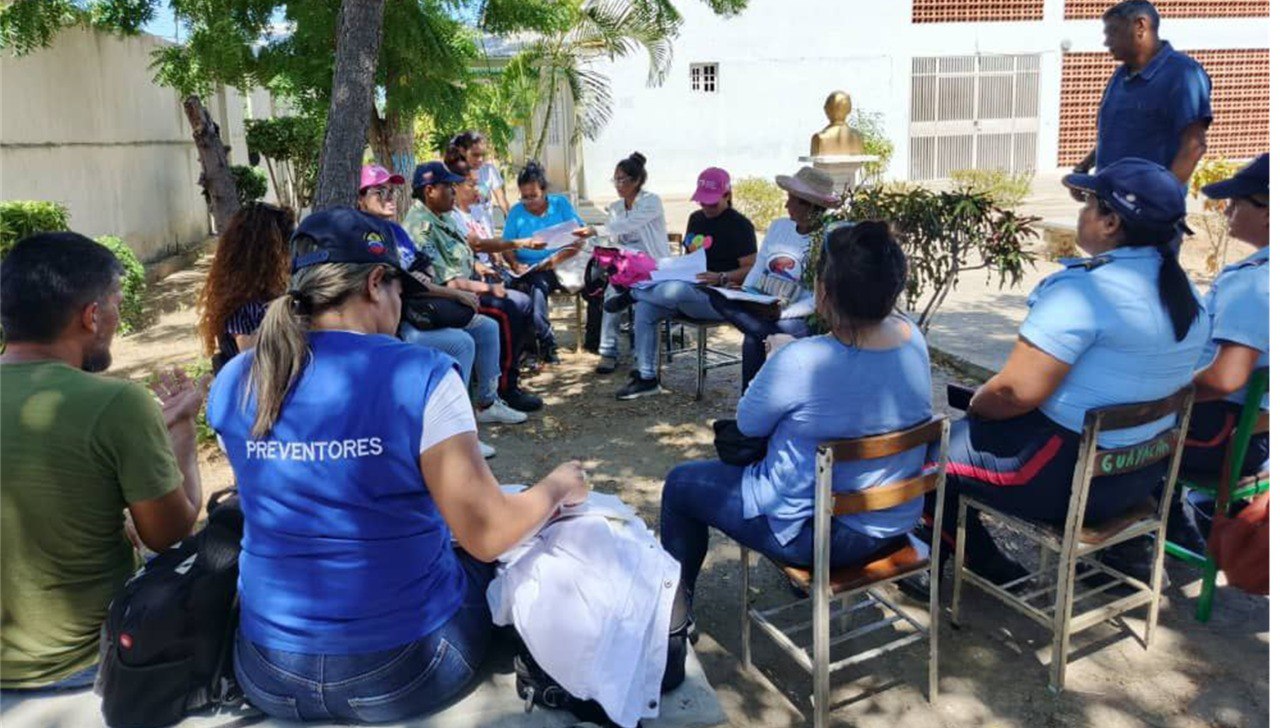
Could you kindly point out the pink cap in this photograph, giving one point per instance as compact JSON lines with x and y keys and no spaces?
{"x":713,"y":185}
{"x":376,"y":174}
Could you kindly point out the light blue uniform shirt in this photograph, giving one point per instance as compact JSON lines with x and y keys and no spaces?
{"x":818,"y":389}
{"x":1239,"y":308}
{"x":1103,"y":316}
{"x":522,"y":224}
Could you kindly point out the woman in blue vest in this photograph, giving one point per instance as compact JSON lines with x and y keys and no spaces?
{"x":1121,"y":325}
{"x":357,"y":462}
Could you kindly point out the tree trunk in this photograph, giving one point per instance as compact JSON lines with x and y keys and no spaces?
{"x":359,"y":38}
{"x":392,"y":143}
{"x":215,"y":176}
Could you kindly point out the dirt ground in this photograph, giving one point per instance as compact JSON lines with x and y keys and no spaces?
{"x":993,"y":669}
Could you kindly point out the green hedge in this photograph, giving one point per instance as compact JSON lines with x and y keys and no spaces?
{"x":251,"y":184}
{"x":760,"y":200}
{"x":20,"y":218}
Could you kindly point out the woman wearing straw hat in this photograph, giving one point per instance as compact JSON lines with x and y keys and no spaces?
{"x":779,"y":269}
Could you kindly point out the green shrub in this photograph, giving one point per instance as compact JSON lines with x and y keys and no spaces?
{"x":251,"y":183}
{"x":133,"y":284}
{"x":1006,"y":189}
{"x":870,"y":124}
{"x":760,"y":200}
{"x":20,"y":218}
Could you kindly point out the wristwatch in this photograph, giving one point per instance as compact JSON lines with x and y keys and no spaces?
{"x":724,"y":278}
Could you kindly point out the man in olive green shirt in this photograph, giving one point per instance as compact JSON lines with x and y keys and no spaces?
{"x":78,"y":449}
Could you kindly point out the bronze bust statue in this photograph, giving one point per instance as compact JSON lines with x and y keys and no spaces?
{"x":837,"y":138}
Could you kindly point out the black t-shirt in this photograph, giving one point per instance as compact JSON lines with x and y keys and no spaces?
{"x":732,"y":237}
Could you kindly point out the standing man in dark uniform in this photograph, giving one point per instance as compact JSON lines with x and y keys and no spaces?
{"x":1156,"y":105}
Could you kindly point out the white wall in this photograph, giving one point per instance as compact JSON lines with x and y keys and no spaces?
{"x":779,"y":60}
{"x":82,"y":123}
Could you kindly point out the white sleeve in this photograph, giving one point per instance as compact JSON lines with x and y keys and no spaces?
{"x":448,"y":413}
{"x":646,"y":209}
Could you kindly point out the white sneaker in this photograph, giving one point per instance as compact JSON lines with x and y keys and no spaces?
{"x":500,"y":413}
{"x":487,"y":450}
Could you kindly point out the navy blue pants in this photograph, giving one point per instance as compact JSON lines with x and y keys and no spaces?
{"x":755,"y":329}
{"x":514,"y":314}
{"x":1209,"y":439}
{"x":539,"y":286}
{"x":1024,"y":466}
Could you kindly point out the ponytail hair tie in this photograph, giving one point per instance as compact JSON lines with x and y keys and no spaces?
{"x":298,"y":302}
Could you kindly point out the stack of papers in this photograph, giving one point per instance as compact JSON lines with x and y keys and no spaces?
{"x":741,"y":294}
{"x":680,"y":267}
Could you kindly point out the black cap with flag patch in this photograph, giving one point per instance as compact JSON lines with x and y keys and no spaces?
{"x":347,"y":235}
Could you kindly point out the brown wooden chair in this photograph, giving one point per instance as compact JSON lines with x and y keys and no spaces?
{"x":1065,"y":611}
{"x":846,"y":584}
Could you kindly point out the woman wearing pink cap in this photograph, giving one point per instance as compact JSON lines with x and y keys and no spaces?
{"x":729,"y":239}
{"x":474,"y":345}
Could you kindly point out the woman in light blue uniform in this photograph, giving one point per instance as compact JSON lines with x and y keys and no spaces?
{"x":1239,"y":309}
{"x":870,"y":375}
{"x":1121,"y":325}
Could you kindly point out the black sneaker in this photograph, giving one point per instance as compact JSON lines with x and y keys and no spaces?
{"x":620,"y":302}
{"x":638,"y":387}
{"x":550,"y":354}
{"x":606,"y":365}
{"x":520,"y":400}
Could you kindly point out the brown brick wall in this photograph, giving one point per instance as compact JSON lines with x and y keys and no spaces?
{"x":1086,"y":9}
{"x":1241,"y":101}
{"x":968,"y":11}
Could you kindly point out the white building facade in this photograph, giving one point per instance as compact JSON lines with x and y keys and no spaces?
{"x":955,"y":88}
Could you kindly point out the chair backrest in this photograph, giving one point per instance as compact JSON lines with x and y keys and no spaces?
{"x":1167,"y":445}
{"x":879,"y":446}
{"x":828,"y":504}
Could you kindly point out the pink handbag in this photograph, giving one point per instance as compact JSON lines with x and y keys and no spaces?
{"x":625,"y":267}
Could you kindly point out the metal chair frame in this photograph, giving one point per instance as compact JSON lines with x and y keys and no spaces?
{"x":1227,"y":490}
{"x":1060,"y":614}
{"x":827,"y":505}
{"x":708,"y":357}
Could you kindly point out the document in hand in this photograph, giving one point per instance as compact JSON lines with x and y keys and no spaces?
{"x":559,"y":235}
{"x":739,"y":294}
{"x":681,"y":267}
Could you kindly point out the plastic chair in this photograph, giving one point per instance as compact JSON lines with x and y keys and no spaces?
{"x":822,"y":584}
{"x":1232,"y":486}
{"x":1065,"y":610}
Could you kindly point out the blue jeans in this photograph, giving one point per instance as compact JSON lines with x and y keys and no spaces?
{"x":539,"y":287}
{"x":374,"y":687}
{"x":662,"y":301}
{"x":476,"y":345}
{"x":702,"y":494}
{"x":609,"y":323}
{"x":755,"y":329}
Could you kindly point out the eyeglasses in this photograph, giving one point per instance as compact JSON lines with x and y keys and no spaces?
{"x":619,"y":181}
{"x":382,"y":193}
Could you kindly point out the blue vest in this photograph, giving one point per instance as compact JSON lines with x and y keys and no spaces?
{"x":344,"y":550}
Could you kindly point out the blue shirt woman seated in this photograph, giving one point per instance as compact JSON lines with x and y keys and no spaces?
{"x":870,"y":375}
{"x":1238,"y":306}
{"x":357,"y":462}
{"x":1123,"y":325}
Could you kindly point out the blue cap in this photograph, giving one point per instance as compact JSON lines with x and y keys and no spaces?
{"x":347,"y":235}
{"x":434,"y":173}
{"x":1254,"y":179}
{"x":1139,"y":190}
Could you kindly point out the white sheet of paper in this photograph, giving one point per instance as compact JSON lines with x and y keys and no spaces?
{"x":681,"y":267}
{"x":737,"y":294}
{"x":559,"y":235}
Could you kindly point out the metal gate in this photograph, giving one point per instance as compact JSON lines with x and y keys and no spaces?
{"x":974,"y":112}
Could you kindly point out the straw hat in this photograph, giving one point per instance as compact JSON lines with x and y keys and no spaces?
{"x":810,"y":185}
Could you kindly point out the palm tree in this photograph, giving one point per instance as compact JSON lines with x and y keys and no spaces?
{"x":602,"y":30}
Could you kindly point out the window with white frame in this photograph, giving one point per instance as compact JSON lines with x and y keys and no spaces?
{"x":704,"y":77}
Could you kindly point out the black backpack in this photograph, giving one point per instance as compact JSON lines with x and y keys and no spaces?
{"x":166,"y":643}
{"x":536,"y":687}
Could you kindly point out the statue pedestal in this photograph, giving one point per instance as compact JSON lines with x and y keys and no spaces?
{"x":847,"y":170}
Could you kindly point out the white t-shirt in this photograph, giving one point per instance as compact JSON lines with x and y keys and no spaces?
{"x":490,"y":179}
{"x":779,"y":268}
{"x":643,"y":227}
